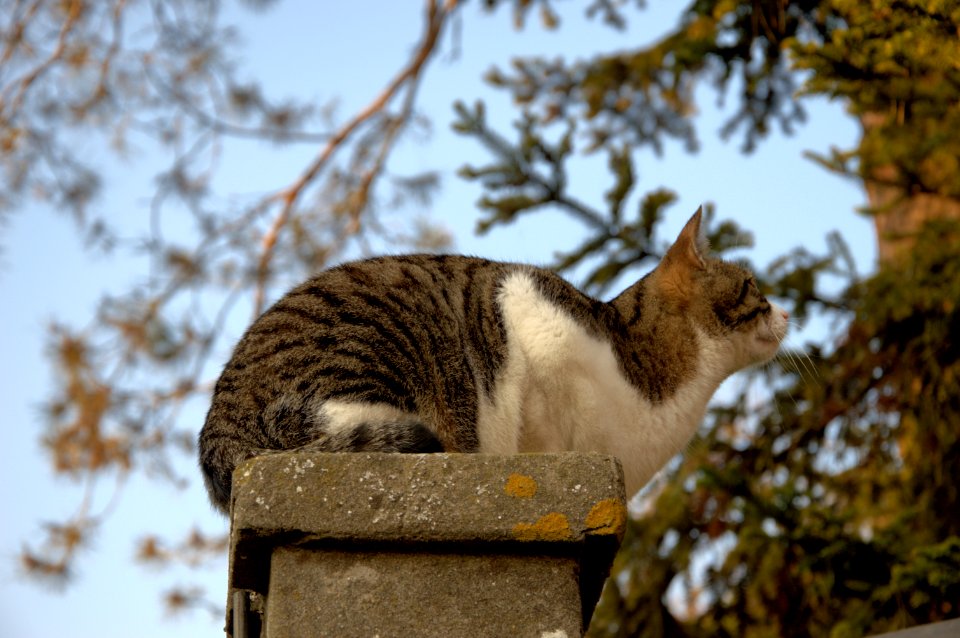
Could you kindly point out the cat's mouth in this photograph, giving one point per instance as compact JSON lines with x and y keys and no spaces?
{"x":768,"y":344}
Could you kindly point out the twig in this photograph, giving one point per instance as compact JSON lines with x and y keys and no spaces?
{"x":73,"y":16}
{"x":18,"y":26}
{"x":436,"y":16}
{"x":389,"y":137}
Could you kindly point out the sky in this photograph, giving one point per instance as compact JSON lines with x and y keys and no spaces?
{"x":349,"y":50}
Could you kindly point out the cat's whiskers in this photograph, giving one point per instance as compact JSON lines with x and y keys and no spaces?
{"x":788,"y":356}
{"x":805,"y":359}
{"x":800,"y":358}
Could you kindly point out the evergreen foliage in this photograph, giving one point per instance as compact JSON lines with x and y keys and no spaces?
{"x":833,"y":509}
{"x":829,"y":509}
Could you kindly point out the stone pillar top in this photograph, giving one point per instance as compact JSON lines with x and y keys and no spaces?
{"x":562,"y":497}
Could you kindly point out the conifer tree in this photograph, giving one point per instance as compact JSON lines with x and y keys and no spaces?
{"x":833,"y":509}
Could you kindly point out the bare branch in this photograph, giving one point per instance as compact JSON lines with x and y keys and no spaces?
{"x":12,"y":105}
{"x":435,"y":20}
{"x":123,"y":380}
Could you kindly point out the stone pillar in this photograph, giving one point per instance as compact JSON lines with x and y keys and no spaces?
{"x":421,"y":545}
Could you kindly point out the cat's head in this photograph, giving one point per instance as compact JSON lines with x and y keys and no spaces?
{"x":720,"y":299}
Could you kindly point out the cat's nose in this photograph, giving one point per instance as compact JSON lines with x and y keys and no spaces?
{"x":785,"y":314}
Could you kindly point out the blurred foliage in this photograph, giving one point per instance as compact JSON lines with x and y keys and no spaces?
{"x":156,"y":81}
{"x":896,"y":65}
{"x":822,"y":500}
{"x":831,"y":509}
{"x":893,"y":63}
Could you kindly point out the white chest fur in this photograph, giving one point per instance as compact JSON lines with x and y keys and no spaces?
{"x":562,"y":389}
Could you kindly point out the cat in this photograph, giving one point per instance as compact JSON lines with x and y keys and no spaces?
{"x":431,"y":353}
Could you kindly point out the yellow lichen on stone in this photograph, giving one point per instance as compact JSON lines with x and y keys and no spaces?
{"x":608,"y":516}
{"x":550,"y":527}
{"x":520,"y":486}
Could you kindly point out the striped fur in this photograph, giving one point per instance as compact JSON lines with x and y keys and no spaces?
{"x":425,"y":353}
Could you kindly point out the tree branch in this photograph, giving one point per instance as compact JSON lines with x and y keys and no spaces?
{"x":436,"y":17}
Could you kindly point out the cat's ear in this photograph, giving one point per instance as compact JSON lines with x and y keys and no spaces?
{"x":674,"y":276}
{"x":687,"y":248}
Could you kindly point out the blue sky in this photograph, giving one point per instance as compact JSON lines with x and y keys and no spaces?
{"x":320,"y":50}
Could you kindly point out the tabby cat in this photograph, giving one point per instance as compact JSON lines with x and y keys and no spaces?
{"x":426,"y":353}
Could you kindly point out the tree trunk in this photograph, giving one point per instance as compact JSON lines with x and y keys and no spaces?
{"x":899,"y":215}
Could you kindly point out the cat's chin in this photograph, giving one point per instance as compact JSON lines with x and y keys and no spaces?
{"x":768,"y":341}
{"x":767,"y":344}
{"x":767,"y":347}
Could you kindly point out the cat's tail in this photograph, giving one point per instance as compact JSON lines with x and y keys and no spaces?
{"x":404,"y":437}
